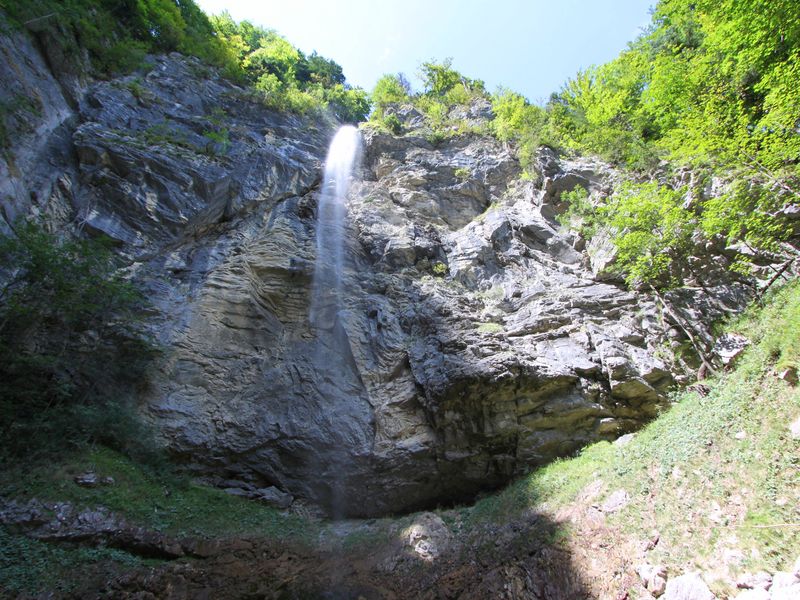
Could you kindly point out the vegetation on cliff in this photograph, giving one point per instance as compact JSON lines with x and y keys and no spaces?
{"x":72,"y":354}
{"x":118,"y":34}
{"x":707,"y":89}
{"x":700,"y":116}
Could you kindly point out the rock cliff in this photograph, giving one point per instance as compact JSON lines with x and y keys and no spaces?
{"x":477,"y":338}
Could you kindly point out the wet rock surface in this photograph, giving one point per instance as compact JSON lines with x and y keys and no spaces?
{"x":475,"y":340}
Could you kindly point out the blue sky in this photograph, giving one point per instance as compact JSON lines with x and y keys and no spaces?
{"x":529,"y":46}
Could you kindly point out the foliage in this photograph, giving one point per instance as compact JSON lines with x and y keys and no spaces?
{"x":218,"y":133}
{"x":285,"y":78}
{"x":745,"y":211}
{"x":439,"y":78}
{"x":393,"y":124}
{"x":527,"y":125}
{"x":709,"y":83}
{"x":30,"y":566}
{"x":710,"y":86}
{"x":439,"y":269}
{"x":118,"y":34}
{"x":580,"y":214}
{"x":388,"y":90}
{"x":444,"y":89}
{"x":651,"y":229}
{"x":13,"y":117}
{"x":71,"y":347}
{"x":490,"y":328}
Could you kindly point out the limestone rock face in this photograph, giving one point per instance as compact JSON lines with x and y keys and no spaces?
{"x":474,"y":339}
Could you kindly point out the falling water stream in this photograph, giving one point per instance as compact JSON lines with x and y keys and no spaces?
{"x":336,"y":375}
{"x":326,"y":289}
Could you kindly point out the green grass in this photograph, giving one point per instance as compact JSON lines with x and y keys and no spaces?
{"x":158,"y":500}
{"x":490,"y":328}
{"x":31,"y":566}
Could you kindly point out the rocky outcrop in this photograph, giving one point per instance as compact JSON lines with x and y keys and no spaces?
{"x":475,"y":340}
{"x":63,"y":522}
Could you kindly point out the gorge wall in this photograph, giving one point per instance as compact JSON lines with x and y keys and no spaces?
{"x":480,"y":338}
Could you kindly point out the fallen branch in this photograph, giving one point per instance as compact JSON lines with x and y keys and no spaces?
{"x":774,"y":278}
{"x":52,"y":14}
{"x":775,"y":526}
{"x":707,"y":367}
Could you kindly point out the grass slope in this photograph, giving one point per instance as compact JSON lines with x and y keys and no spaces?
{"x":713,"y":484}
{"x":156,"y":499}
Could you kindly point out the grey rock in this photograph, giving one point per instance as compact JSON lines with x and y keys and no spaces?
{"x":730,"y":346}
{"x":274,"y":497}
{"x":618,"y":500}
{"x":688,"y":587}
{"x":603,"y":256}
{"x":91,"y":479}
{"x":63,"y":522}
{"x":783,"y":579}
{"x":427,"y":537}
{"x":791,"y":592}
{"x":431,"y":383}
{"x":654,"y":578}
{"x":624,"y":440}
{"x":789,"y":375}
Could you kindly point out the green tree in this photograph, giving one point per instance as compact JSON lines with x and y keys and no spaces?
{"x":71,"y":346}
{"x":651,"y":230}
{"x":439,"y":77}
{"x":389,"y":89}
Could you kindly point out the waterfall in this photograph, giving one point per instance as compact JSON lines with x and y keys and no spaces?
{"x":336,"y":378}
{"x":343,"y":155}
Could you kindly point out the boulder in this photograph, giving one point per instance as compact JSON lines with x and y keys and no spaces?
{"x":688,"y":587}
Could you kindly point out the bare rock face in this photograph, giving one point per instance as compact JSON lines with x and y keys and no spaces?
{"x":474,"y":341}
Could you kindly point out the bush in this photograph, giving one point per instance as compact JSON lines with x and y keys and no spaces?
{"x":389,"y":89}
{"x":393,"y":124}
{"x":72,"y":351}
{"x":652,"y":231}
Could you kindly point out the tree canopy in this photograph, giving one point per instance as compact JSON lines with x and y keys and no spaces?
{"x":119,"y":33}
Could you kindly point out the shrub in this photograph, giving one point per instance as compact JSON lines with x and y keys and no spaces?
{"x":580,"y":214}
{"x":652,"y":231}
{"x":393,"y":124}
{"x":72,"y":350}
{"x":439,"y":77}
{"x":388,"y":90}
